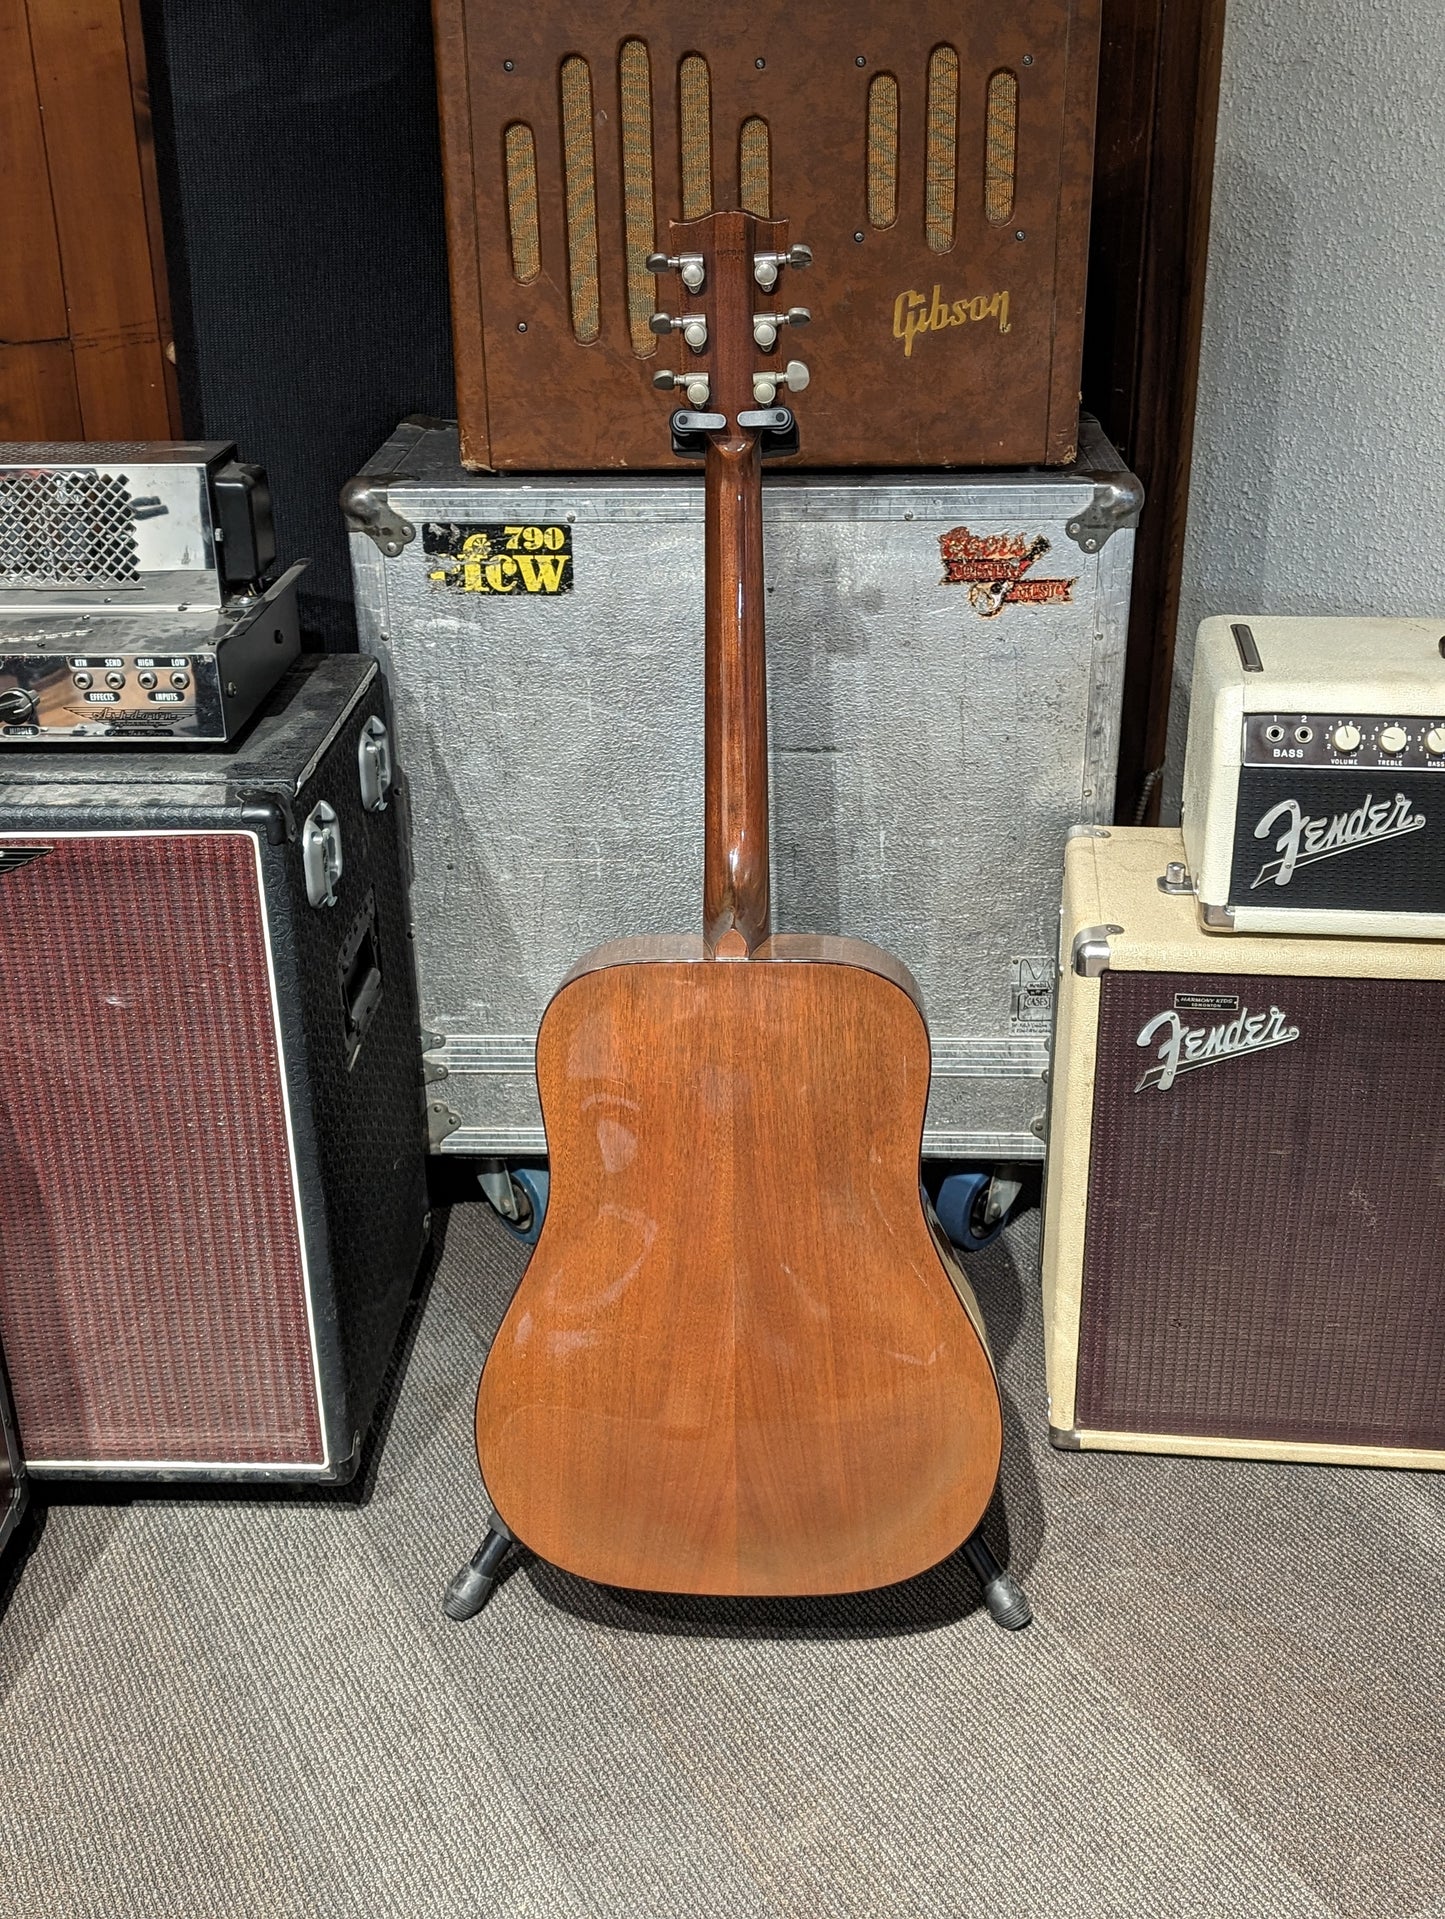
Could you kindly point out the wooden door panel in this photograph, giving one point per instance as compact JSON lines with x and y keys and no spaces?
{"x":32,"y":294}
{"x":38,"y":398}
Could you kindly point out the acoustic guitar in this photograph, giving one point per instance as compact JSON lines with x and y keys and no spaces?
{"x":742,"y":1359}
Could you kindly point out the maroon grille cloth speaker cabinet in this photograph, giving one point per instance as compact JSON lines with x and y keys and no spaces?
{"x":212,"y":1192}
{"x":1244,"y":1240}
{"x":938,"y":160}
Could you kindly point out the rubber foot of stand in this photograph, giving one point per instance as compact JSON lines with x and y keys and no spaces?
{"x":472,"y":1586}
{"x":468,"y":1593}
{"x":1007,"y":1603}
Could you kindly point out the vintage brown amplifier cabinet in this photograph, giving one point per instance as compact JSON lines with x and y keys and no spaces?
{"x":212,"y":1179}
{"x":1244,"y":1211}
{"x":936,"y":159}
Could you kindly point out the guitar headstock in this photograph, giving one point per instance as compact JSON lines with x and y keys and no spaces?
{"x":729,"y":328}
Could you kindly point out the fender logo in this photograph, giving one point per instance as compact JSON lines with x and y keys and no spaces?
{"x":1183,"y":1048}
{"x":1304,"y":840}
{"x":993,"y":565}
{"x":913,"y":315}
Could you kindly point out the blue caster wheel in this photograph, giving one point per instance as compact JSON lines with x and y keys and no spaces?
{"x":518,"y":1195}
{"x":963,"y":1211}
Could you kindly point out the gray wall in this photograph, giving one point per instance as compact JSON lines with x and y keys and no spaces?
{"x":1319,"y":456}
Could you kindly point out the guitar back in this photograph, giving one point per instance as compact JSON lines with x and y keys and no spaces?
{"x":739,"y":1361}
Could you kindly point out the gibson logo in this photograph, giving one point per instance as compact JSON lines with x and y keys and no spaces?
{"x":1305,"y":839}
{"x":1183,"y":1048}
{"x":913,"y":315}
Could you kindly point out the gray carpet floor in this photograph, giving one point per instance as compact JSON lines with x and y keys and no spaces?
{"x":1229,"y":1703}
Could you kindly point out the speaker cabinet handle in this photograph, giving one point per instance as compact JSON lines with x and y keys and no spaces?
{"x":373,"y":759}
{"x":321,"y":854}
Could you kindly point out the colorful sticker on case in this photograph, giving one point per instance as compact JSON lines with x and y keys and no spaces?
{"x":499,"y":558}
{"x":993,"y":565}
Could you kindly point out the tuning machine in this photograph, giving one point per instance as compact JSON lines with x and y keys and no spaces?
{"x":696,"y":386}
{"x":794,"y":376}
{"x":692,"y":327}
{"x":766,"y":265}
{"x":688,"y":265}
{"x":766,"y":326}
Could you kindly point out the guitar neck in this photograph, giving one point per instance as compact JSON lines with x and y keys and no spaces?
{"x":735,"y":858}
{"x":723,"y":260}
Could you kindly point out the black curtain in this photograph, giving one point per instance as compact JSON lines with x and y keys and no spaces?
{"x":296,"y":142}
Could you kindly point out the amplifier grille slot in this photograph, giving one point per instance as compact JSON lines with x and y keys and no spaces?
{"x":755,"y":184}
{"x":522,"y":217}
{"x":634,"y":84}
{"x":579,"y":163}
{"x":694,"y":109}
{"x":883,"y":151}
{"x":1001,"y":141}
{"x":67,"y":528}
{"x":941,"y":160}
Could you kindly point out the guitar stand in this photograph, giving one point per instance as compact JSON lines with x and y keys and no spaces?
{"x":471,"y":1588}
{"x":1007,"y":1602}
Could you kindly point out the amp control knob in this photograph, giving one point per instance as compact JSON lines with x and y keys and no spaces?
{"x":1393,"y":739}
{"x":1435,"y":741}
{"x":17,"y":703}
{"x":1346,"y":738}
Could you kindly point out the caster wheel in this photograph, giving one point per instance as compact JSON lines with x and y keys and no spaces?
{"x":962,"y":1208}
{"x":531,"y":1184}
{"x":518,"y":1196}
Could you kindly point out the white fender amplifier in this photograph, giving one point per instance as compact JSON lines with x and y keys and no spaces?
{"x":1314,"y":777}
{"x":1244,"y":1209}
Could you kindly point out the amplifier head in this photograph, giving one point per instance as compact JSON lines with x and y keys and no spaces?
{"x":129,"y":525}
{"x":1244,"y":1205}
{"x":1314,"y":777}
{"x":937,"y":162}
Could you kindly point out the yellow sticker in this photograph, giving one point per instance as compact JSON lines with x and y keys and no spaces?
{"x":499,"y":558}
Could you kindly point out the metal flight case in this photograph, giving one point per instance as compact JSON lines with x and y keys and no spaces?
{"x":945,"y":661}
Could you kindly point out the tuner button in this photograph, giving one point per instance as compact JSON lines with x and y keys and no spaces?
{"x":664,"y":381}
{"x":698,"y":391}
{"x":657,"y":263}
{"x":796,"y":376}
{"x":660,"y":323}
{"x":765,"y":333}
{"x":800,"y":256}
{"x":1435,"y":741}
{"x":695,"y":333}
{"x":798,"y":316}
{"x":1346,"y":738}
{"x":1393,"y":739}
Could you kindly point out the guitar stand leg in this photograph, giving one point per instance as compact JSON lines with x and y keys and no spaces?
{"x":471,"y":1588}
{"x":1007,"y":1602}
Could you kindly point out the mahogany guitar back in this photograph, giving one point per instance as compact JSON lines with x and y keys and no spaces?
{"x":738,"y":1362}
